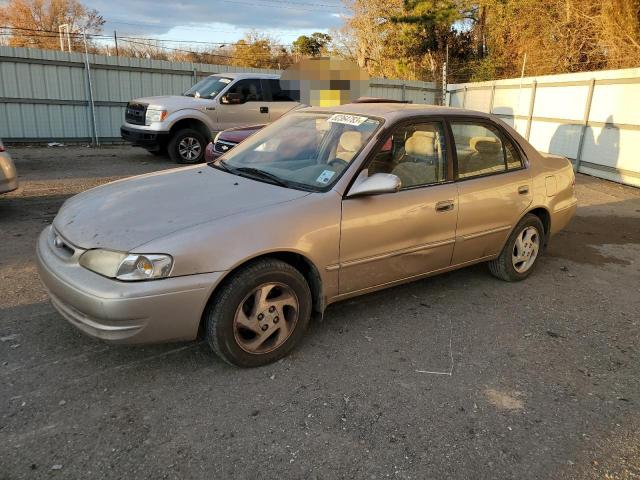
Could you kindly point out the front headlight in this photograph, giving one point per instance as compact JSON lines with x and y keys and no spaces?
{"x":154,"y":115}
{"x":128,"y":267}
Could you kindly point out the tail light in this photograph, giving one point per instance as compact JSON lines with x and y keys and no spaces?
{"x":2,"y":147}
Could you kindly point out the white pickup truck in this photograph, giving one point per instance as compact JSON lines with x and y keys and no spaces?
{"x":182,"y":125}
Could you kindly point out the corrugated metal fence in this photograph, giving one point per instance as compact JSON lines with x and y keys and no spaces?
{"x":591,"y":117}
{"x":44,"y":93}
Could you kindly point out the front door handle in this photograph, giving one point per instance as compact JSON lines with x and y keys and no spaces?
{"x":444,"y":206}
{"x":523,"y":189}
{"x":264,"y":109}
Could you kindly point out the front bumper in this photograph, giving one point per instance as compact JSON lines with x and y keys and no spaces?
{"x":150,"y":139}
{"x":8,"y":184}
{"x":123,"y":312}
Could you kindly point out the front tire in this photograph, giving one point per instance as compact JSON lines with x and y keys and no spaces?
{"x":520,"y":254}
{"x":187,"y":146}
{"x":259,"y":314}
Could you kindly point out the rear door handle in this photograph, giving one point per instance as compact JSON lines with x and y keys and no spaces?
{"x":523,"y":189}
{"x":444,"y":206}
{"x":264,"y":109}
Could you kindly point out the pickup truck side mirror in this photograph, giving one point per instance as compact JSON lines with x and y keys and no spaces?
{"x":232,"y":99}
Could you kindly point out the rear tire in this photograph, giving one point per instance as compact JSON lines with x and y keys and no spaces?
{"x":187,"y":146}
{"x":521,"y":252}
{"x":259,"y":314}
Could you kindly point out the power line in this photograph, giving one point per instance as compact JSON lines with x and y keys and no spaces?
{"x":109,"y":37}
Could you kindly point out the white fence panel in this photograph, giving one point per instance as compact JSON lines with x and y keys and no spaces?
{"x":589,"y":117}
{"x":44,"y":94}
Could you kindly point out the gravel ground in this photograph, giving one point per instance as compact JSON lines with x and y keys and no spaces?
{"x":545,"y":380}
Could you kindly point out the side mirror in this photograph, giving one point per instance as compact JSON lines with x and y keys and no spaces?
{"x":232,"y":99}
{"x":375,"y":184}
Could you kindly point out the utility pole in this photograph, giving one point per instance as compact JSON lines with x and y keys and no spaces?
{"x":524,"y":64}
{"x":66,"y":28}
{"x":444,"y":77}
{"x":95,"y":141}
{"x":115,"y":39}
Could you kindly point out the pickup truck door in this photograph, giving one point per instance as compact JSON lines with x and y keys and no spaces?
{"x":280,"y":101}
{"x":252,"y":110}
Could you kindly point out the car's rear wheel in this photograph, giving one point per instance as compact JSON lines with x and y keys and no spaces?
{"x":187,"y":146}
{"x":520,"y":253}
{"x":259,"y":314}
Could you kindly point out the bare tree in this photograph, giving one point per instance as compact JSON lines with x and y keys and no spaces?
{"x":34,"y":23}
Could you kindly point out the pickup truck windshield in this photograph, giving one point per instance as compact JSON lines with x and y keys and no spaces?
{"x":208,"y":88}
{"x":305,"y":150}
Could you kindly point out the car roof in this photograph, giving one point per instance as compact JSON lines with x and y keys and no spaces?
{"x":397,"y":111}
{"x":240,"y":75}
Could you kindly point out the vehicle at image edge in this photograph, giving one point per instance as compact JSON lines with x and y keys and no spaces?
{"x":8,"y":174}
{"x":322,"y":205}
{"x":227,"y":139}
{"x":182,"y":125}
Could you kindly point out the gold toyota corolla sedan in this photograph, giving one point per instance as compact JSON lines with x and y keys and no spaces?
{"x":322,"y":205}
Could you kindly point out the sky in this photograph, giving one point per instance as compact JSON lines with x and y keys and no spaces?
{"x":218,"y":20}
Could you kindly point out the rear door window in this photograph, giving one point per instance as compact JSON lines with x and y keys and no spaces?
{"x":280,"y":95}
{"x":482,"y":150}
{"x":249,"y":89}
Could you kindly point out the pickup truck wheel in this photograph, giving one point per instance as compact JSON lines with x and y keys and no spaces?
{"x":187,"y":146}
{"x":259,"y":314}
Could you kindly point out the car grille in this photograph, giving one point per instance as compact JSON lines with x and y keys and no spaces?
{"x":135,"y":113}
{"x":223,"y":146}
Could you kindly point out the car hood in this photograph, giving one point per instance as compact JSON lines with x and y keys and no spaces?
{"x":239,"y":134}
{"x":173,"y":103}
{"x":128,"y":213}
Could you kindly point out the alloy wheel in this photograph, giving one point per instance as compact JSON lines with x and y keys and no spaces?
{"x":525,"y":249}
{"x":266,"y":318}
{"x":189,"y":148}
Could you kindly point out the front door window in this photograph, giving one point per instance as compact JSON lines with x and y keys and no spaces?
{"x":415,"y":153}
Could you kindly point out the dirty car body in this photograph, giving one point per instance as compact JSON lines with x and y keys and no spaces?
{"x":322,"y":205}
{"x":8,"y":174}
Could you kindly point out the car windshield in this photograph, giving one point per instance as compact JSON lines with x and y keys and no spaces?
{"x":307,"y":150}
{"x":208,"y":88}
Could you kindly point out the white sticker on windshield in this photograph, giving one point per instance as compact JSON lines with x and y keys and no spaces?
{"x":347,"y":119}
{"x":225,"y":80}
{"x":325,"y":176}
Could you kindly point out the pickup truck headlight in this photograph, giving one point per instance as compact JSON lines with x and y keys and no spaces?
{"x":125,"y":266}
{"x":154,"y":115}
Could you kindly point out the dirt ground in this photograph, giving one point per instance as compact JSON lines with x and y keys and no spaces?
{"x":545,"y":379}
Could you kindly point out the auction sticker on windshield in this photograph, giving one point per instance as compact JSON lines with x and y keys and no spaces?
{"x":325,"y":176}
{"x":346,"y":119}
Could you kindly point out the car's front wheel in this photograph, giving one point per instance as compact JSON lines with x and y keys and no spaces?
{"x":259,"y":314}
{"x":187,"y":146}
{"x":520,"y":253}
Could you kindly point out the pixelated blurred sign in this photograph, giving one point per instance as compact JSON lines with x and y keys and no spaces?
{"x":325,"y":81}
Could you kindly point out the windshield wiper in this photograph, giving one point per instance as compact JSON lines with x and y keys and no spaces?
{"x":257,"y":173}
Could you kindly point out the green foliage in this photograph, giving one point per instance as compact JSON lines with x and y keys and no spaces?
{"x":311,"y":46}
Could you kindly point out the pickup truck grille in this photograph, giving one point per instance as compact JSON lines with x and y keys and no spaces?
{"x":135,"y":113}
{"x":223,"y":146}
